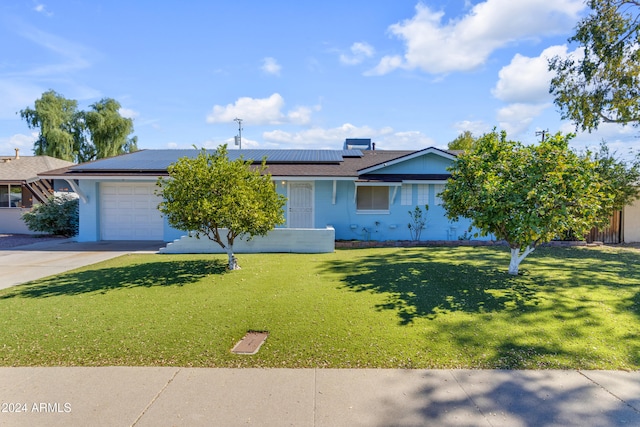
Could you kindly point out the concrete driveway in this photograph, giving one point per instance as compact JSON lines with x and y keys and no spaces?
{"x":38,"y":260}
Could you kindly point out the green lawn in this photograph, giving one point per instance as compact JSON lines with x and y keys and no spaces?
{"x":387,"y":307}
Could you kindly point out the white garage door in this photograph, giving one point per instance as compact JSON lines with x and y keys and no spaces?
{"x":129,"y":211}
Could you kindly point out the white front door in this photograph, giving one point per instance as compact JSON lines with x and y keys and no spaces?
{"x":300,"y":213}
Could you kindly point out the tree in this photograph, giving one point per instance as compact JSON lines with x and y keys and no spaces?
{"x":60,"y":124}
{"x":622,"y":177}
{"x":604,"y":84}
{"x":109,"y":130}
{"x":464,"y":141}
{"x":71,"y":134}
{"x":214,"y":196}
{"x":527,"y":195}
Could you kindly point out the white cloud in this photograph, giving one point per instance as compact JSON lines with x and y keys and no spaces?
{"x":524,"y":84}
{"x":21,"y":141}
{"x":42,"y":8}
{"x":300,"y":116}
{"x":72,"y":56}
{"x":527,"y":80}
{"x":516,"y":118}
{"x":260,"y":111}
{"x":386,"y":65}
{"x":620,"y":139}
{"x":21,"y":87}
{"x":322,"y":138}
{"x":128,"y":113}
{"x":477,"y":128}
{"x":271,"y":66}
{"x":333,"y":138}
{"x":466,"y":43}
{"x":408,"y":140}
{"x":359,"y":52}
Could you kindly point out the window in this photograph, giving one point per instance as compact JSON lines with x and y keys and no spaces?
{"x":10,"y":196}
{"x":423,"y":194}
{"x":373,"y":198}
{"x":437,"y":189}
{"x":407,"y":194}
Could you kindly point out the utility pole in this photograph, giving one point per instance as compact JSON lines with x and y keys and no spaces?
{"x":239,"y":137}
{"x":542,"y":133}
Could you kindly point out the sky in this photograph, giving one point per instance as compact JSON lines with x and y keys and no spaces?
{"x":407,"y":74}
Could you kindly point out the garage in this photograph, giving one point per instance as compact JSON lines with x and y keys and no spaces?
{"x":129,"y":211}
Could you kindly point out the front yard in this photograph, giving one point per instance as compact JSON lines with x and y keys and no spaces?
{"x":386,"y":307}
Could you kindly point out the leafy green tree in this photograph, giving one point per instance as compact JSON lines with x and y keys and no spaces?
{"x":221,"y":199}
{"x":58,"y":216}
{"x":527,"y":195}
{"x":603,"y":86}
{"x":621,"y":176}
{"x":464,"y":141}
{"x":109,"y":130}
{"x":71,"y":134}
{"x":61,"y":126}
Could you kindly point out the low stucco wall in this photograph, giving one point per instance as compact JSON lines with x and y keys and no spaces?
{"x":11,"y":221}
{"x":631,"y":218}
{"x":294,"y":240}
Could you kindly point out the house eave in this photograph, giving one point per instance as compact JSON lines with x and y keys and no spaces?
{"x":108,"y":176}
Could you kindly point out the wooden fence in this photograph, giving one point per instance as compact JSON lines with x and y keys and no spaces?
{"x":609,"y":235}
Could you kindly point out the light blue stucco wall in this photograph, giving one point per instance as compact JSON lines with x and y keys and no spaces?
{"x":89,"y":227}
{"x":342,"y":214}
{"x":349,"y":224}
{"x":392,"y":225}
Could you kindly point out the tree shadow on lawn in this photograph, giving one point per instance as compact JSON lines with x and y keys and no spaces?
{"x":609,"y":260}
{"x":167,"y":273}
{"x":418,"y":284}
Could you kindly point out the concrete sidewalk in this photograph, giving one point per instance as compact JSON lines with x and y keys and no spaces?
{"x":127,"y":396}
{"x":38,"y":260}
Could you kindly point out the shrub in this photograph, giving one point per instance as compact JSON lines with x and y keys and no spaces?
{"x":58,"y":216}
{"x":418,"y":220}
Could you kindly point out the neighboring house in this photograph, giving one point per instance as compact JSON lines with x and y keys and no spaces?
{"x":361,"y":194}
{"x":631,"y":222}
{"x":21,"y":188}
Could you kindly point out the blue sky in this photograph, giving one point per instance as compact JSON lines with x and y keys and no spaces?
{"x":301,"y":74}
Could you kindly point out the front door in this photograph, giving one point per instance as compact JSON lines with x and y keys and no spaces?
{"x":300,"y":205}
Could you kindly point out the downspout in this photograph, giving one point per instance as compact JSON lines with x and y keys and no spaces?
{"x":333,"y":200}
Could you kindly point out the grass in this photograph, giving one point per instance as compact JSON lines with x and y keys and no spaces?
{"x":573,"y":308}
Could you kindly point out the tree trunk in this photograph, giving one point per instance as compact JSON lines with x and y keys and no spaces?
{"x":516,"y":258}
{"x":233,"y":262}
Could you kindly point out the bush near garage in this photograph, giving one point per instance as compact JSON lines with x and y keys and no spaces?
{"x":59,"y":216}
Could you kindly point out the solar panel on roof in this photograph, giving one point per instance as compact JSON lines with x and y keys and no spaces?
{"x":156,"y":160}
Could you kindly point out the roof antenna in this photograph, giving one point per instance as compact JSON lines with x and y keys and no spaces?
{"x":238,"y":138}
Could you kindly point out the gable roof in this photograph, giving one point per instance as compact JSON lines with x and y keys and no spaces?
{"x":412,"y":155}
{"x":25,"y":168}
